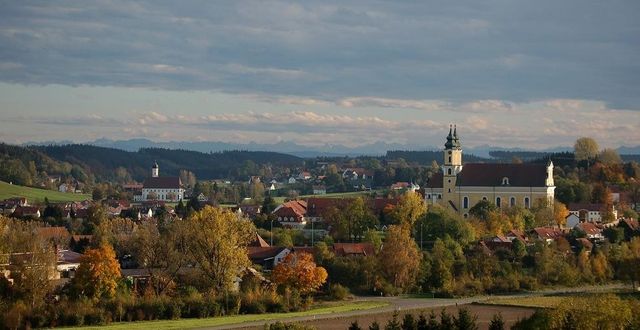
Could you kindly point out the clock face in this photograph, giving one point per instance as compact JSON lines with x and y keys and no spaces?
{"x":449,"y":152}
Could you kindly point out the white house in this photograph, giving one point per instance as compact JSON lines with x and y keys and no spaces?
{"x":588,"y":212}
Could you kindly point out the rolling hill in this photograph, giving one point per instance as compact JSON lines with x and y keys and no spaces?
{"x":37,"y":195}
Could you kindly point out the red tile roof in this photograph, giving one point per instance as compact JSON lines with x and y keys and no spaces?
{"x":167,"y":182}
{"x":589,"y":228}
{"x":350,"y":249}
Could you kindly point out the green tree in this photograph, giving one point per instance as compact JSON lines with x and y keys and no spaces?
{"x":497,"y":322}
{"x":465,"y":321}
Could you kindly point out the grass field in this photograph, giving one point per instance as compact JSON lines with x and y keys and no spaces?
{"x":235,"y":319}
{"x":38,"y":195}
{"x":280,"y":200}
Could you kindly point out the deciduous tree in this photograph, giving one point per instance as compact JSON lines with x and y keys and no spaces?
{"x":585,"y":148}
{"x":98,"y":273}
{"x":299,"y":271}
{"x":217,"y":243}
{"x":399,"y":258}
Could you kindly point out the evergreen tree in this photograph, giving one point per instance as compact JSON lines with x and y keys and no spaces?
{"x":422,"y":322}
{"x":446,"y":320}
{"x":408,"y":322}
{"x":393,"y":324}
{"x":374,"y":326}
{"x":497,"y":323}
{"x":465,"y":321}
{"x":354,"y":326}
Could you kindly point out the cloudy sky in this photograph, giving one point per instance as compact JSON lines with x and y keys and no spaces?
{"x":509,"y":73}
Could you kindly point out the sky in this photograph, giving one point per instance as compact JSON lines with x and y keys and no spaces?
{"x":508,"y":73}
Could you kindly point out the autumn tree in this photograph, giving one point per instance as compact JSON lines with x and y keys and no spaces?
{"x":98,"y":273}
{"x":217,"y":243}
{"x":609,"y":157}
{"x":606,"y":311}
{"x":34,"y":259}
{"x":299,"y":271}
{"x":560,"y":213}
{"x":585,"y":148}
{"x":409,"y":209}
{"x":161,"y":252}
{"x":399,"y":258}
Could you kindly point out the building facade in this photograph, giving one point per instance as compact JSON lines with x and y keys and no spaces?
{"x":461,"y":186}
{"x":168,"y":189}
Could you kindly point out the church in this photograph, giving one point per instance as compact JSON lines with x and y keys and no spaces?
{"x":168,"y":189}
{"x":460,"y":186}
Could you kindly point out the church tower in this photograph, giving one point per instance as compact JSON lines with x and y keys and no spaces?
{"x":451,"y":167}
{"x":155,"y":170}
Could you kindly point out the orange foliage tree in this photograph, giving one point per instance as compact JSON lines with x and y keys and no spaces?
{"x":299,"y":271}
{"x":98,"y":273}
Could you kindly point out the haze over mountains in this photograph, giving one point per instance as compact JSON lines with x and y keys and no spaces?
{"x":289,"y":147}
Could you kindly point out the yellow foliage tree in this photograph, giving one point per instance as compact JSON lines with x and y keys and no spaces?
{"x":217,"y":243}
{"x":409,"y":209}
{"x":560,"y":213}
{"x":399,"y":257}
{"x":299,"y":271}
{"x":98,"y":273}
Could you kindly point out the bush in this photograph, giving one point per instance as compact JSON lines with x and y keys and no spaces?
{"x":339,"y":292}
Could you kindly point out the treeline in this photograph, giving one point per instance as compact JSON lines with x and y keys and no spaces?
{"x":30,"y":167}
{"x":427,"y":157}
{"x":104,"y":162}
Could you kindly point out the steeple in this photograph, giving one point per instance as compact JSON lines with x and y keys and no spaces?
{"x":155,"y":170}
{"x":450,"y":138}
{"x":456,"y":139}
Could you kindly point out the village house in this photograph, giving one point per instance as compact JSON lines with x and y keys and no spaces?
{"x":319,"y":190}
{"x":460,"y":186}
{"x":593,"y":232}
{"x":292,"y":214}
{"x":590,"y":212}
{"x":546,"y":234}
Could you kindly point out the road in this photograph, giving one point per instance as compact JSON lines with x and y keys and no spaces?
{"x":403,"y":304}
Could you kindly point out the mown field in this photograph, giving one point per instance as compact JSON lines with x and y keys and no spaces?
{"x":535,"y":302}
{"x":237,"y":319}
{"x":37,"y":195}
{"x":354,"y":194}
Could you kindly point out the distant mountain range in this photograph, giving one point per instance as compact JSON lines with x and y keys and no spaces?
{"x":292,"y":148}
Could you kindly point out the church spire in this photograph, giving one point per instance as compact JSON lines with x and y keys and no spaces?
{"x":450,"y":143}
{"x":456,"y":139}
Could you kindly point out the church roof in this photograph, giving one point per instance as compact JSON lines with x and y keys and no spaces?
{"x":490,"y":175}
{"x":166,"y":182}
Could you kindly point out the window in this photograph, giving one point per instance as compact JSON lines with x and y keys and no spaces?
{"x":465,"y":202}
{"x":505,"y":181}
{"x":449,"y":190}
{"x":439,"y":196}
{"x":466,"y":215}
{"x":449,"y":180}
{"x":484,"y":198}
{"x":449,"y":171}
{"x":498,"y":201}
{"x":512,"y":201}
{"x":526,"y":202}
{"x":429,"y":196}
{"x":449,"y":159}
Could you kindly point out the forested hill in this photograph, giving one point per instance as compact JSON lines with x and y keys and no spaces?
{"x":103,"y":162}
{"x":427,"y":157}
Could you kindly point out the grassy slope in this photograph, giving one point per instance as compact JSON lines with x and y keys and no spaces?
{"x":35,"y":195}
{"x":235,"y":319}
